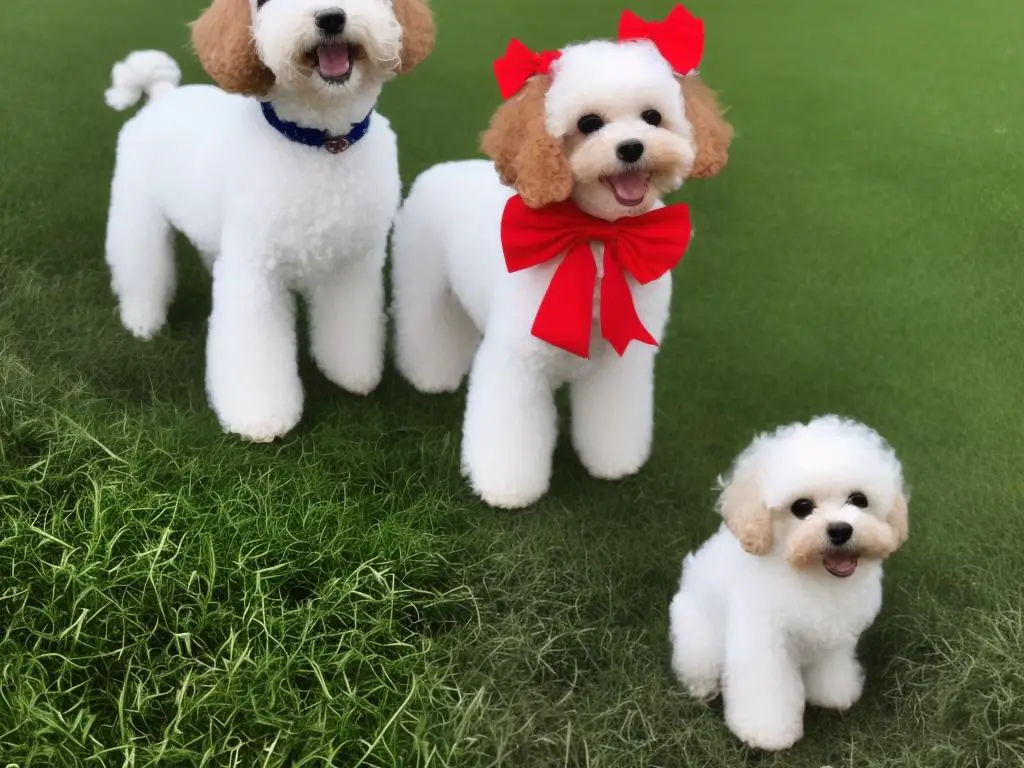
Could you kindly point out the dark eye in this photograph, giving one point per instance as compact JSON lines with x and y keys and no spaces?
{"x":858,"y":499}
{"x":801,"y":508}
{"x":651,"y":116}
{"x":590,"y":124}
{"x":261,"y":3}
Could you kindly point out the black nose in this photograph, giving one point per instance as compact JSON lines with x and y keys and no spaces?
{"x":630,"y":151}
{"x":839,"y":533}
{"x":331,"y":21}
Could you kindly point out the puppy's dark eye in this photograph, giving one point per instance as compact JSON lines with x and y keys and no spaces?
{"x":858,"y":499}
{"x":261,"y":3}
{"x":801,"y":508}
{"x":651,"y":117}
{"x":590,"y":124}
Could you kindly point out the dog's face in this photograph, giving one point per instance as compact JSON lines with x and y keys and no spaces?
{"x":328,"y":49}
{"x":820,"y":495}
{"x":612,"y":127}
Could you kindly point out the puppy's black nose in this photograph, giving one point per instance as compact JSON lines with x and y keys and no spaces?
{"x":839,"y":533}
{"x":331,"y":20}
{"x":630,"y":151}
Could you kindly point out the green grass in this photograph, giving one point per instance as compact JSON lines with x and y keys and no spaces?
{"x":172,"y":597}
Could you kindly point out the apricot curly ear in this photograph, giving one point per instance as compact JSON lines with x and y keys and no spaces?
{"x":712,"y":134}
{"x":527,"y":157}
{"x":418,"y":32}
{"x":745,"y":512}
{"x":899,"y":522}
{"x":222,"y":38}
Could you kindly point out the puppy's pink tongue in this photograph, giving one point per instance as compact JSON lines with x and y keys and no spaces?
{"x":840,"y":564}
{"x":629,"y":188}
{"x":333,"y":60}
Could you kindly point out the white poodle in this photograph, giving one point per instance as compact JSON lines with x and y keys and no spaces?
{"x":286,"y":181}
{"x":540,"y":285}
{"x":770,"y":608}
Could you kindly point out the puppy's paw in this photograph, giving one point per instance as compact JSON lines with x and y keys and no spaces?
{"x":507,"y":496}
{"x":260,"y":420}
{"x":261,"y":430}
{"x":764,"y":721}
{"x":506,"y":488}
{"x":613,"y":465}
{"x":143,"y":321}
{"x":835,"y":683}
{"x":769,"y":733}
{"x":706,"y":690}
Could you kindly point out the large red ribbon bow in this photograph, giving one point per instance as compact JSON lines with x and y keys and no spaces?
{"x":518,"y":65}
{"x":679,"y":38}
{"x":644,"y":247}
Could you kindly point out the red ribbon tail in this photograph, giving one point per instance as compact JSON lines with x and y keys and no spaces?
{"x":565,"y":315}
{"x":620,"y":323}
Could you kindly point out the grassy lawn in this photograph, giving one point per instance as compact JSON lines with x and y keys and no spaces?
{"x":170,"y":596}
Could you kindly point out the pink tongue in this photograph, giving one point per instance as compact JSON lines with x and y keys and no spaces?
{"x":629,"y":186}
{"x":333,"y":60}
{"x":840,"y":564}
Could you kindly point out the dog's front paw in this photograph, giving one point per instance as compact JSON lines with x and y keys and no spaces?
{"x":769,"y":733}
{"x":705,"y":690}
{"x":835,"y":683}
{"x":765,"y":722}
{"x":504,"y":480}
{"x":259,"y":419}
{"x":613,"y":466}
{"x":263,"y":429}
{"x":507,"y":492}
{"x":142,"y":320}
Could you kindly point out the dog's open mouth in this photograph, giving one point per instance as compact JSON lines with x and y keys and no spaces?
{"x":334,"y":61}
{"x":630,"y":189}
{"x":840,"y":564}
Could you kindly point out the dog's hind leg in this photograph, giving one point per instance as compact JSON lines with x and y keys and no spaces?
{"x":435,"y":339}
{"x":698,"y":647}
{"x":140,"y":254}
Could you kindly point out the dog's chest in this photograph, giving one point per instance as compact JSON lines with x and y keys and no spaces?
{"x":334,"y":209}
{"x":832,"y":619}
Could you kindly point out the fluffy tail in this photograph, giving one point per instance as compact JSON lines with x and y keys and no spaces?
{"x":143,"y":72}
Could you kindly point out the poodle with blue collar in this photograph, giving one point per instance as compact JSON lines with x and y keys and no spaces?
{"x":284,"y":178}
{"x":770,"y":609}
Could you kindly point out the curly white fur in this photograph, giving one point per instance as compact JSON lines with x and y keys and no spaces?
{"x":272,"y":218}
{"x":775,"y":629}
{"x":457,"y":310}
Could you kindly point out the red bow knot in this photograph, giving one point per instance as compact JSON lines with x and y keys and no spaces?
{"x":518,"y":65}
{"x":644,"y":247}
{"x":679,"y":38}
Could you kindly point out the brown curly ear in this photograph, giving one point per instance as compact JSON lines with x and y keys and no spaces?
{"x":744,"y":511}
{"x":898,"y":521}
{"x":222,"y":38}
{"x":712,"y":134}
{"x":527,"y":157}
{"x":418,"y":32}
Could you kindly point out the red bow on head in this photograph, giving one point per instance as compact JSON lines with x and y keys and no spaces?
{"x":679,"y":38}
{"x":518,"y":65}
{"x":645,"y":247}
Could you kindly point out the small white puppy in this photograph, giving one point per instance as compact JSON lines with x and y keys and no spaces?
{"x":770,"y":608}
{"x":286,"y":181}
{"x":602,"y":136}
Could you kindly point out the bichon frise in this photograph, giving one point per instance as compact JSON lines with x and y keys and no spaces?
{"x":286,"y":181}
{"x":547,"y":283}
{"x":770,"y":608}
